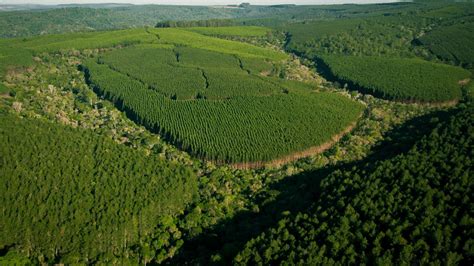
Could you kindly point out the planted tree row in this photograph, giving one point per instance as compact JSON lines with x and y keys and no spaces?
{"x":399,"y":79}
{"x":185,"y":73}
{"x":240,"y":129}
{"x":454,"y":44}
{"x":413,"y":208}
{"x":72,"y":195}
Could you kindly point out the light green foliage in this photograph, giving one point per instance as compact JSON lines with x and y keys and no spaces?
{"x":14,"y":258}
{"x":256,"y":65}
{"x":86,"y":195}
{"x":3,"y":89}
{"x":196,"y":40}
{"x":52,"y":43}
{"x":18,"y":52}
{"x":224,"y":84}
{"x":244,"y":31}
{"x":200,"y":58}
{"x":293,"y":84}
{"x":189,"y":73}
{"x":159,"y":69}
{"x":399,"y":79}
{"x":12,"y":57}
{"x":239,"y":129}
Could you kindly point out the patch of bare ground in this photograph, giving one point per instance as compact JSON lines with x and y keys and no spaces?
{"x":464,"y":82}
{"x":444,"y":104}
{"x":297,"y":155}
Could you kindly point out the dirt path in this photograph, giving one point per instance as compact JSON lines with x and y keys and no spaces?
{"x":297,"y":155}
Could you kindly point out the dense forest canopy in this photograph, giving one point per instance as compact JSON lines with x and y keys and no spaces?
{"x":413,"y":208}
{"x":243,"y":134}
{"x":87,"y":196}
{"x":184,"y":93}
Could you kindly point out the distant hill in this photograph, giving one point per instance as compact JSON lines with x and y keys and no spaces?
{"x":24,"y":7}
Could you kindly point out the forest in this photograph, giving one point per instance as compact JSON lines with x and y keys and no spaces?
{"x":237,"y":135}
{"x":119,"y":193}
{"x":413,"y":208}
{"x":257,"y":117}
{"x":398,"y":79}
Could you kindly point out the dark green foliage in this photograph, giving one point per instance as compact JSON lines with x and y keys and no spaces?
{"x":391,"y":36}
{"x":370,"y":36}
{"x":69,"y":193}
{"x":454,"y":44}
{"x":413,"y":208}
{"x":64,"y":19}
{"x":27,"y":23}
{"x":196,"y":23}
{"x":239,"y":129}
{"x":399,"y":79}
{"x":69,"y":196}
{"x":305,"y":32}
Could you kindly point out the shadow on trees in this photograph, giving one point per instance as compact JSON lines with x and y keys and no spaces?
{"x":292,"y":195}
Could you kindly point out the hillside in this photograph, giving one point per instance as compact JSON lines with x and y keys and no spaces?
{"x":413,"y":208}
{"x":249,"y":135}
{"x":114,"y":194}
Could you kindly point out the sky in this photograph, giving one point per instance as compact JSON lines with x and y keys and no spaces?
{"x":195,"y":2}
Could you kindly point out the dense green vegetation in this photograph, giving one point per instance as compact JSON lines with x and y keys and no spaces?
{"x":19,"y":52}
{"x":397,"y":78}
{"x":117,"y":144}
{"x":392,"y":38}
{"x":452,"y":43}
{"x":178,"y":91}
{"x":219,"y":69}
{"x":239,"y":129}
{"x":189,"y":73}
{"x":180,"y":37}
{"x":413,"y":208}
{"x":88,"y":197}
{"x":73,"y":19}
{"x":370,"y":36}
{"x":66,"y":19}
{"x":245,"y":31}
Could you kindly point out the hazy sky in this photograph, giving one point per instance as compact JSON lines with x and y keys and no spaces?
{"x":194,"y":2}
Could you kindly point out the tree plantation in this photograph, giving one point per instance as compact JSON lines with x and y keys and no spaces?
{"x":452,"y":44}
{"x":237,"y":134}
{"x":87,"y":197}
{"x":413,"y":208}
{"x":399,"y":79}
{"x":237,"y":129}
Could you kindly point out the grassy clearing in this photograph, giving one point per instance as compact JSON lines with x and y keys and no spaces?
{"x":243,"y":31}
